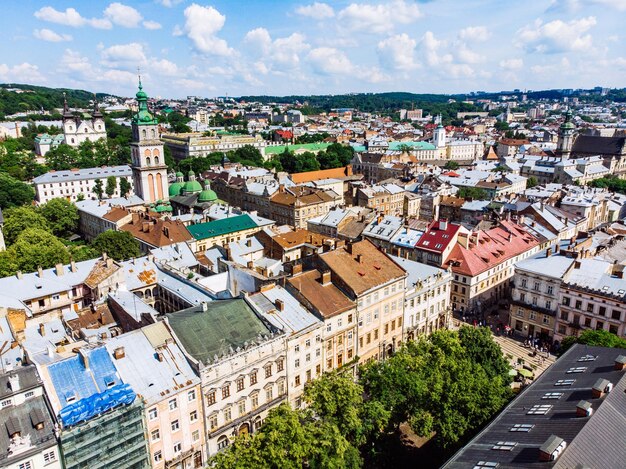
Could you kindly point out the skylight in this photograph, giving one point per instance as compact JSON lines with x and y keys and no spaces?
{"x":539,"y":409}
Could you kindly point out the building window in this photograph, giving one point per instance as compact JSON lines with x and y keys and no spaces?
{"x":550,"y":290}
{"x":227,"y":415}
{"x":213,"y":422}
{"x":222,"y":442}
{"x":239,"y":384}
{"x":297,"y":380}
{"x":158,"y":456}
{"x":210,"y":398}
{"x":173,"y":404}
{"x":566,"y":300}
{"x":546,"y":319}
{"x":49,"y":457}
{"x":297,"y":363}
{"x":253,"y":379}
{"x":191,"y":395}
{"x":193,"y":416}
{"x":242,"y":407}
{"x":520,"y":312}
{"x":268,"y":370}
{"x":175,"y":425}
{"x":269,"y":394}
{"x":155,"y":435}
{"x":615,"y":314}
{"x":548,"y":305}
{"x":195,"y":435}
{"x":255,"y":400}
{"x":178,"y":447}
{"x":225,"y":391}
{"x":579,"y":304}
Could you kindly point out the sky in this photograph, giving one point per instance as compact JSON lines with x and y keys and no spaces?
{"x":255,"y":47}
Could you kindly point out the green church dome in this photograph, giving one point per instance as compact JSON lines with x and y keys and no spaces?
{"x":175,"y":188}
{"x":192,"y":187}
{"x":179,"y":174}
{"x":207,"y":195}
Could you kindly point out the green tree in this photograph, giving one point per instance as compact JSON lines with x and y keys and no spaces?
{"x":501,"y":126}
{"x":61,"y":215}
{"x":124,"y":187}
{"x":451,"y":165}
{"x":35,"y":248}
{"x":531,"y":182}
{"x":439,"y":387}
{"x":120,"y":245}
{"x":599,"y":338}
{"x":14,"y":193}
{"x":474,"y":193}
{"x":18,"y":219}
{"x":111,"y":186}
{"x":8,"y":264}
{"x":97,"y":188}
{"x":62,"y":157}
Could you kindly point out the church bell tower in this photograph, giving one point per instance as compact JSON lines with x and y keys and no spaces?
{"x":148,"y":159}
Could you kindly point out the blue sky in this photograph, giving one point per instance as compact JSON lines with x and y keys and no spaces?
{"x":186,"y":47}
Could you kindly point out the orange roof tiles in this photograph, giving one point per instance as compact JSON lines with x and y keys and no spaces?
{"x":361,"y":266}
{"x":326,"y":299}
{"x":490,"y":248}
{"x":334,"y":173}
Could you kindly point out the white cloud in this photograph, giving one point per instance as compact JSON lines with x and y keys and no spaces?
{"x":557,"y":36}
{"x":398,"y":52}
{"x":474,"y":33}
{"x":575,"y":5}
{"x":468,"y":56}
{"x":378,"y":18}
{"x":22,"y":73}
{"x":330,"y":61}
{"x":512,"y":64}
{"x":169,"y":3}
{"x":163,"y":67}
{"x":201,"y":26}
{"x":51,"y":36}
{"x":77,"y":64}
{"x":70,"y":17}
{"x":283,"y":51}
{"x":317,"y":11}
{"x":124,"y":56}
{"x":123,"y":15}
{"x":120,"y":77}
{"x":152,"y":25}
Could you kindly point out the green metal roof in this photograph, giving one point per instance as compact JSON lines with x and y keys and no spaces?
{"x":315,"y":147}
{"x":397,"y":146}
{"x":221,"y":227}
{"x":225,"y":324}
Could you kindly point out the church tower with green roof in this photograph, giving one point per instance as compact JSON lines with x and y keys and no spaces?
{"x":148,"y":159}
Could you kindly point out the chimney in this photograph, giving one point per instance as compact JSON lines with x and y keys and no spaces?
{"x":548,"y":252}
{"x":557,"y":247}
{"x":42,"y":329}
{"x":205,"y":306}
{"x":159,"y":356}
{"x":250,"y":264}
{"x":109,"y":262}
{"x":119,"y":352}
{"x":84,"y":358}
{"x":59,"y":269}
{"x":576,"y":264}
{"x":601,"y":387}
{"x":249,"y":242}
{"x":583,"y":409}
{"x":296,"y":269}
{"x":145,"y":226}
{"x":19,"y":275}
{"x":620,"y":363}
{"x":104,"y":256}
{"x":326,"y":277}
{"x":40,"y":272}
{"x":14,"y":382}
{"x":443,"y":224}
{"x":135,"y":218}
{"x":280,"y":305}
{"x":73,"y":267}
{"x":359,"y":258}
{"x":349,"y":248}
{"x":552,"y":448}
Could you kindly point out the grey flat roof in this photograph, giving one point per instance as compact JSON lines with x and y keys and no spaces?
{"x":81,"y":174}
{"x":560,"y":418}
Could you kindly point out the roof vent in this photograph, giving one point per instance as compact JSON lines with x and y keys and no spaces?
{"x":583,"y":409}
{"x":602,"y":387}
{"x":552,"y":448}
{"x":280,"y":305}
{"x":119,"y":353}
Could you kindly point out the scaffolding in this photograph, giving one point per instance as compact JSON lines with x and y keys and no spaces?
{"x":114,"y":439}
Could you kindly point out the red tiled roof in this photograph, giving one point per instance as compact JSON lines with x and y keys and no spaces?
{"x":494,"y":246}
{"x":436,"y":239}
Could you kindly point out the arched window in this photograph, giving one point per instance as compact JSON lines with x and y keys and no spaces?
{"x":222,"y":442}
{"x":156,"y":152}
{"x":153,"y":134}
{"x":148,"y":161}
{"x":146,"y":152}
{"x":156,"y":160}
{"x":143,"y":133}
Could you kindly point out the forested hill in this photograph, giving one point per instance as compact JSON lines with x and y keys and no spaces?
{"x":34,"y":98}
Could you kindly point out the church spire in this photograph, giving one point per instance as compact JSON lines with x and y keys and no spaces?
{"x":66,"y":110}
{"x":96,"y":109}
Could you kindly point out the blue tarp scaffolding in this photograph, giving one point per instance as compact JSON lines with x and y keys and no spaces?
{"x":89,"y":407}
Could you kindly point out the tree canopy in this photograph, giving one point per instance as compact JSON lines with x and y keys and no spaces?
{"x":120,"y":245}
{"x":61,"y":215}
{"x":19,"y":219}
{"x":14,"y":193}
{"x":35,"y":248}
{"x":474,"y":193}
{"x":600,"y":338}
